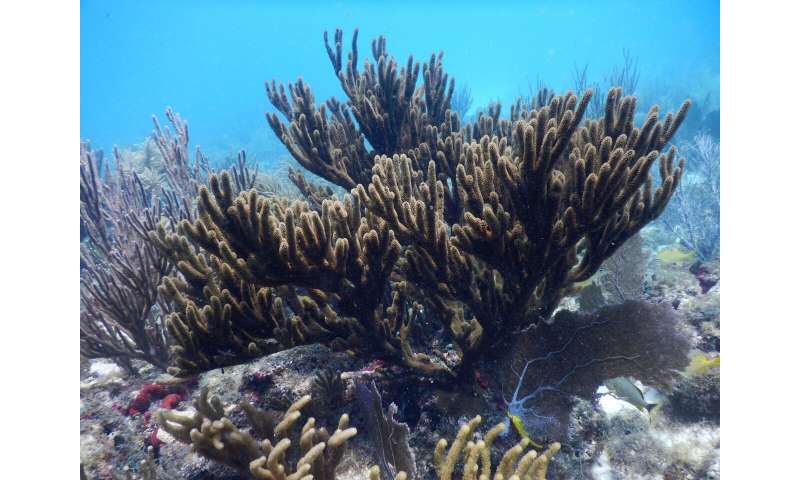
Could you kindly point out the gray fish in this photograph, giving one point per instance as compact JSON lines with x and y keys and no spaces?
{"x":623,"y":388}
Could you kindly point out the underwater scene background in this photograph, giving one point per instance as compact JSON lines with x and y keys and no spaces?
{"x":501,"y":260}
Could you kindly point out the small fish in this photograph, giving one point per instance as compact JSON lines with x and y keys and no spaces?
{"x":675,"y":256}
{"x":700,"y":365}
{"x":519,"y":426}
{"x":624,"y":389}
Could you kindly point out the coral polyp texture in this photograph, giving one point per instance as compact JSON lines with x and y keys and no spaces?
{"x":486,"y":226}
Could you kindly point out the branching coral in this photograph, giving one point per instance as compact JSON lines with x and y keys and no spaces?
{"x":386,"y":113}
{"x":163,"y":159}
{"x":490,"y":225}
{"x":183,"y":176}
{"x":267,"y":450}
{"x":535,"y":219}
{"x":518,"y":462}
{"x":271,"y":275}
{"x":120,"y":270}
{"x":121,"y":309}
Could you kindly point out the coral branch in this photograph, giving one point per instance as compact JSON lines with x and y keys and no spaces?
{"x":121,"y":308}
{"x":516,"y":462}
{"x":271,"y":453}
{"x":120,"y":270}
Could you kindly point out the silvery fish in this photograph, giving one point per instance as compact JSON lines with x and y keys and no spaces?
{"x":625,"y":389}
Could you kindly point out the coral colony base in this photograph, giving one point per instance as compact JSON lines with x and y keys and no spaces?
{"x":412,"y":256}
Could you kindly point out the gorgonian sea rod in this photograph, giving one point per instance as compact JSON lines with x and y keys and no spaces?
{"x":486,"y":226}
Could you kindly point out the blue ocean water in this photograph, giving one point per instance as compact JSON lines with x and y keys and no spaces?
{"x":209,"y":59}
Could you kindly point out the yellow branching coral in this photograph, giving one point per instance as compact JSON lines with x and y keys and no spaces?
{"x":267,"y":451}
{"x":375,"y":474}
{"x":273,"y":447}
{"x":474,"y":457}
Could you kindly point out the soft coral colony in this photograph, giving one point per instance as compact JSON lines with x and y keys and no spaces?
{"x":474,"y":232}
{"x":485,"y":226}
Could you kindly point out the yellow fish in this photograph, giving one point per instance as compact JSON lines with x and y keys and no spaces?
{"x":675,"y":256}
{"x":520,"y":428}
{"x":700,"y":365}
